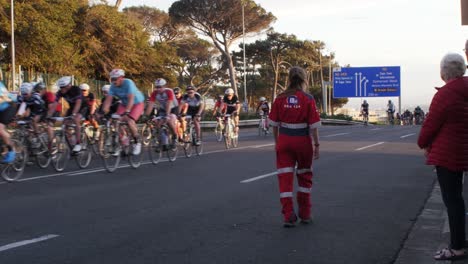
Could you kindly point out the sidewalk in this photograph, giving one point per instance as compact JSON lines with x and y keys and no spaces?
{"x":430,"y":232}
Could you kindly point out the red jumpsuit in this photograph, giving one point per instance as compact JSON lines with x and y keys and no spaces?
{"x":294,"y":113}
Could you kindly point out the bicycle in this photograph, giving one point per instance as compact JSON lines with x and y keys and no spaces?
{"x":145,"y":133}
{"x":390,"y":118}
{"x":66,"y":140}
{"x":162,"y":141}
{"x":92,"y":136}
{"x":189,"y":137}
{"x":230,"y":138}
{"x":365,"y":118}
{"x":36,"y":143}
{"x":13,"y":171}
{"x":115,"y":140}
{"x":219,"y":129}
{"x":262,"y":125}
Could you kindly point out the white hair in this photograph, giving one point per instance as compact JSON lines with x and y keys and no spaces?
{"x":452,"y":66}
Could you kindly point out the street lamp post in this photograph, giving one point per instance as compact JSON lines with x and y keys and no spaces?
{"x":243,"y":44}
{"x":13,"y":73}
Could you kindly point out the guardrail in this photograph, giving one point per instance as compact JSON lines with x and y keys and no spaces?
{"x":254,"y":122}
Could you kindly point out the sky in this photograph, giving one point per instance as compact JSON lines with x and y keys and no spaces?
{"x":412,"y":34}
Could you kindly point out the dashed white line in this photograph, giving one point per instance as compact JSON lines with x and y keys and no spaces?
{"x":409,"y":135}
{"x":262,"y":146}
{"x":259,"y":177}
{"x":26,"y":242}
{"x":334,"y":135}
{"x":370,"y":146}
{"x":374,"y":129}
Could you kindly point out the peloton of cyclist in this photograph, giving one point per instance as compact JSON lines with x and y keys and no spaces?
{"x":192,"y":105}
{"x":131,"y":106}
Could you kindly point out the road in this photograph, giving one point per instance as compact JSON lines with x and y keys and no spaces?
{"x":370,"y":184}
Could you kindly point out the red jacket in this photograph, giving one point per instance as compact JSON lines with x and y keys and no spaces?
{"x":445,"y":130}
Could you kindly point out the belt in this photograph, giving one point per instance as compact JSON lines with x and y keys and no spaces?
{"x":294,"y":131}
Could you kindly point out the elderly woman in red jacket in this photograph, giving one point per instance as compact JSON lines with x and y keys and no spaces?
{"x":444,"y":137}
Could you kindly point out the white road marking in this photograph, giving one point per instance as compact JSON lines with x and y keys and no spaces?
{"x":370,"y":146}
{"x":262,"y":146}
{"x":334,"y":135}
{"x":374,"y":129}
{"x":26,"y":242}
{"x":259,"y":177}
{"x":409,"y":135}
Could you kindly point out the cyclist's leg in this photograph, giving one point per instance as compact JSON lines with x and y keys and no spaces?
{"x":6,"y":116}
{"x":236,"y":123}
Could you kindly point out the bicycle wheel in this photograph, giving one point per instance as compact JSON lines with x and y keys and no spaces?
{"x":145,"y":134}
{"x":60,"y":159}
{"x":260,"y":128}
{"x":83,"y":158}
{"x":235,"y":139}
{"x":219,"y":132}
{"x":188,"y":139}
{"x":134,"y":160}
{"x":155,"y":149}
{"x":110,"y":150}
{"x":198,"y":148}
{"x":171,"y":151}
{"x":43,"y":157}
{"x":12,"y":172}
{"x":227,"y":137}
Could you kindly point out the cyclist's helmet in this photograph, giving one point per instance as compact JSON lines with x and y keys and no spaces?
{"x":64,"y":81}
{"x":176,"y":90}
{"x":84,"y":86}
{"x":116,"y":73}
{"x":160,"y":82}
{"x":262,"y":99}
{"x":26,"y":88}
{"x":229,"y":91}
{"x":389,"y":101}
{"x":39,"y":87}
{"x":220,"y":97}
{"x":190,"y":88}
{"x":105,"y":88}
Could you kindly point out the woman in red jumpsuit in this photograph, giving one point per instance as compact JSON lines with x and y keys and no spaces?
{"x":295,"y":123}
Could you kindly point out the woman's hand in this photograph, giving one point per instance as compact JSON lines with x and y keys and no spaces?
{"x":316,"y":153}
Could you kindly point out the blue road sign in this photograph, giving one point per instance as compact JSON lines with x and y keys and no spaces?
{"x":366,"y":82}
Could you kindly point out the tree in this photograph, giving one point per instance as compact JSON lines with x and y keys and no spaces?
{"x":221,"y":21}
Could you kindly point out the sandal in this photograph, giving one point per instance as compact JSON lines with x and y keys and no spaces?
{"x":449,"y":254}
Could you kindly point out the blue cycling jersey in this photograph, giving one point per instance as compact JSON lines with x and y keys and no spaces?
{"x":122,"y":92}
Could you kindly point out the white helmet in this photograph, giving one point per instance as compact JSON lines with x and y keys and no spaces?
{"x":84,"y":86}
{"x":26,"y":88}
{"x":160,"y":82}
{"x":64,"y":81}
{"x":106,"y":88}
{"x":262,"y":99}
{"x":116,"y":73}
{"x":229,"y":91}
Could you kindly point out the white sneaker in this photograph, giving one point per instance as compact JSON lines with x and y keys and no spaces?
{"x":136,"y":149}
{"x":77,"y":148}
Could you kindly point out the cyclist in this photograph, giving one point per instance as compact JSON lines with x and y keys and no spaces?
{"x":418,"y":115}
{"x":180,"y":120}
{"x":390,"y":110}
{"x":219,"y":106}
{"x":264,"y":109}
{"x":71,"y":94}
{"x":193,"y":105}
{"x":167,"y":106}
{"x":88,"y":112}
{"x":132,"y":104}
{"x":49,"y":100}
{"x":114,"y":104}
{"x":7,"y":113}
{"x":232,"y":107}
{"x":365,"y":111}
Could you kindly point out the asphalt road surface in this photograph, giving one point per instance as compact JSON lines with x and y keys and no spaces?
{"x":370,"y":184}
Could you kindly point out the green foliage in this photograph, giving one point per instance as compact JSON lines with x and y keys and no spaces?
{"x":339,"y":117}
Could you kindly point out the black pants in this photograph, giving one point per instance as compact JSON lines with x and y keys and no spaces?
{"x":451,"y":185}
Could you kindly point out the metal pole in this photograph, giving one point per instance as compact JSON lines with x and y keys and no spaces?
{"x":13,"y":65}
{"x":243,"y":44}
{"x":329,"y":87}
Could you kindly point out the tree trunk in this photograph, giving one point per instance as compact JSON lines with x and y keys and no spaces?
{"x":118,"y":3}
{"x":232,"y":71}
